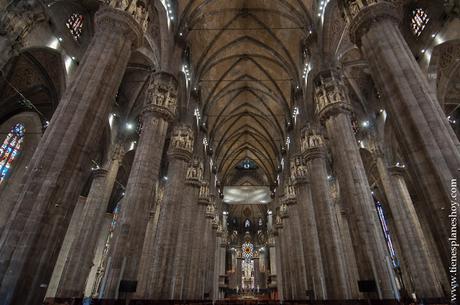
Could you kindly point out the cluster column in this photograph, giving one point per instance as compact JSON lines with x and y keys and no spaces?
{"x":426,"y":278}
{"x":333,"y":261}
{"x":194,"y":190}
{"x":428,"y":142}
{"x":302,"y":217}
{"x":157,"y":279}
{"x":333,"y":109}
{"x":80,"y":258}
{"x":159,"y":110}
{"x":32,"y":238}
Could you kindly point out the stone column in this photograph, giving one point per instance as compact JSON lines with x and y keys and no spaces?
{"x":338,"y":286}
{"x":279,"y":264}
{"x":426,"y":278}
{"x":80,"y":258}
{"x":300,"y":242}
{"x":333,"y":109}
{"x":157,"y":284}
{"x":284,"y":252}
{"x":197,"y":241}
{"x":271,"y":248}
{"x":72,"y":232}
{"x":31,"y":240}
{"x":428,"y":141}
{"x":192,"y":191}
{"x":210,"y":262}
{"x":159,"y":109}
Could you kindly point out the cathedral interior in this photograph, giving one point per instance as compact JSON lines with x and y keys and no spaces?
{"x":229,"y":151}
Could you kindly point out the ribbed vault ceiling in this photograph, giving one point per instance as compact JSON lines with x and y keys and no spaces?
{"x":246,"y":59}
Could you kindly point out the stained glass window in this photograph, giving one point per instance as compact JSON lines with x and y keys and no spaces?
{"x":10,"y":149}
{"x":247,"y":250}
{"x":419,"y":21}
{"x":75,"y":25}
{"x":386,"y":232}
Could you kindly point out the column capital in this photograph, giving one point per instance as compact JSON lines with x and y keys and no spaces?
{"x":210,"y":211}
{"x":362,"y":14}
{"x":330,"y":95}
{"x":99,"y":173}
{"x":278,"y":223}
{"x":203,"y":197}
{"x":299,"y":174}
{"x":111,"y":19}
{"x":137,"y":9}
{"x":313,"y":145}
{"x":181,"y":145}
{"x":283,"y":212}
{"x":289,"y":194}
{"x":397,"y":170}
{"x":194,"y":174}
{"x":161,"y":97}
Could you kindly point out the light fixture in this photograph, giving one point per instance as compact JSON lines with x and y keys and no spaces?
{"x":365,"y":123}
{"x":60,"y":39}
{"x":129,"y":126}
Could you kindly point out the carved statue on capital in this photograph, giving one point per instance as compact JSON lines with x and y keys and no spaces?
{"x":330,"y":94}
{"x":137,"y":9}
{"x":283,"y":212}
{"x":313,"y":144}
{"x":215,"y":221}
{"x":203,"y":197}
{"x":278,"y":221}
{"x":289,"y":193}
{"x":210,"y":211}
{"x":161,"y":97}
{"x":360,"y":14}
{"x":299,"y":172}
{"x":181,"y":146}
{"x":194,"y":173}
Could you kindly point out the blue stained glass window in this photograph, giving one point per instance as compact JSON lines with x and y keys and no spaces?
{"x":386,"y":233}
{"x":10,"y":150}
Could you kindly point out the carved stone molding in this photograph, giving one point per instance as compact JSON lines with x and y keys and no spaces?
{"x":330,"y":95}
{"x":181,"y":147}
{"x":362,"y":16}
{"x":108,"y":19}
{"x":161,"y":97}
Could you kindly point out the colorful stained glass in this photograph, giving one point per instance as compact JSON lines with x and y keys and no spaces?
{"x":247,"y":250}
{"x":386,"y":233}
{"x":75,"y":25}
{"x":419,"y":21}
{"x":10,"y":149}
